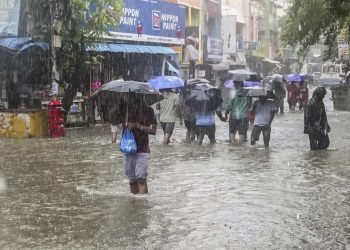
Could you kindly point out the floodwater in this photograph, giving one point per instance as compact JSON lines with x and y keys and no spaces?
{"x":71,"y":193}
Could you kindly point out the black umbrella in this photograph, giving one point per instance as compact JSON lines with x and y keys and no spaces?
{"x":124,"y":89}
{"x":127,"y":94}
{"x":203,"y":97}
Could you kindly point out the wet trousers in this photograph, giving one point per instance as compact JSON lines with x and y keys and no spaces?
{"x":318,"y":141}
{"x":280,"y":103}
{"x":206,"y":130}
{"x":266,"y":131}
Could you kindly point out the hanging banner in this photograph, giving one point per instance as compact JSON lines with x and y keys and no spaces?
{"x":151,"y":21}
{"x":9,"y":17}
{"x":213,"y":50}
{"x":343,"y":45}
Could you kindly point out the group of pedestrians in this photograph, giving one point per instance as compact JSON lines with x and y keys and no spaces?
{"x":240,"y":112}
{"x":243,"y":111}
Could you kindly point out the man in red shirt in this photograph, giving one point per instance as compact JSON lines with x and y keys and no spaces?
{"x":142,"y":122}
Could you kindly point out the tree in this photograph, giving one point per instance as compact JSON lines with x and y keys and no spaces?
{"x":78,"y":28}
{"x":312,"y":21}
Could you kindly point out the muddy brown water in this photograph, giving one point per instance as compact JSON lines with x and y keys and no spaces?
{"x":71,"y":193}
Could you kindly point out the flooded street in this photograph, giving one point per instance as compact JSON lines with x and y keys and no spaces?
{"x":71,"y":193}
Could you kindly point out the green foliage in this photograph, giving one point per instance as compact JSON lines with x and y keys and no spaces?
{"x":96,"y":25}
{"x":81,"y":29}
{"x":312,"y":21}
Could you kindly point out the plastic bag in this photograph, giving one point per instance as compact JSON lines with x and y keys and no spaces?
{"x":128,"y":143}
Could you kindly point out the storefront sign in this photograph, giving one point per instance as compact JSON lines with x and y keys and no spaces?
{"x":151,"y":21}
{"x":213,"y":50}
{"x":251,"y":46}
{"x":343,"y":45}
{"x":9,"y":17}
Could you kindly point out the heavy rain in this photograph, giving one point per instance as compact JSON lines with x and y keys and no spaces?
{"x":227,"y":131}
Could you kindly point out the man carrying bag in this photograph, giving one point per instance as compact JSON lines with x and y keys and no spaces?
{"x":141,"y":121}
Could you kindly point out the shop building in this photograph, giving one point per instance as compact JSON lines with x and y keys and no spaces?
{"x":137,"y":49}
{"x":24,"y":68}
{"x":148,"y":32}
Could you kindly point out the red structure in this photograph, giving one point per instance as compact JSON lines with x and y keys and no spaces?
{"x":56,"y":119}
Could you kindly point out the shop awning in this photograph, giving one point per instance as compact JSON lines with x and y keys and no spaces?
{"x":19,"y":44}
{"x":130,"y":48}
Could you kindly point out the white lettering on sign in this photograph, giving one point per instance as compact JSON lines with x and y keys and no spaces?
{"x":170,"y":18}
{"x":128,"y":20}
{"x":130,"y":16}
{"x":131,"y":12}
{"x":7,"y":4}
{"x":169,"y":22}
{"x":169,"y":26}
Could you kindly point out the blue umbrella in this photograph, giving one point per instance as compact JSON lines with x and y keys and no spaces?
{"x":252,"y":88}
{"x":248,"y":84}
{"x":166,"y":82}
{"x":229,"y":84}
{"x":295,"y":77}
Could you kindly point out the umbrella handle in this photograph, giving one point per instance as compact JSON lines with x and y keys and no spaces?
{"x":127,"y":109}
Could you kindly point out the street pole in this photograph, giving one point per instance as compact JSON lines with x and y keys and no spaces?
{"x":200,"y":30}
{"x":267,"y":37}
{"x":53,"y":50}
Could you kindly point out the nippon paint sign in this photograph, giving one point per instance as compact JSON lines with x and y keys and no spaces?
{"x":151,"y":21}
{"x":9,"y":17}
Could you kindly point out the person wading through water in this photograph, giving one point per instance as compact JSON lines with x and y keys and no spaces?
{"x":169,"y":110}
{"x":238,"y":109}
{"x":264,"y":111}
{"x":142,"y":122}
{"x":315,"y":120}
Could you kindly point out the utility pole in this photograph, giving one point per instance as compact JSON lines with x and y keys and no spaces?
{"x":200,"y":30}
{"x":52,"y":34}
{"x":267,"y":36}
{"x":56,"y":13}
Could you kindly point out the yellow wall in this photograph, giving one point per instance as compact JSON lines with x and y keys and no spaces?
{"x":24,"y":125}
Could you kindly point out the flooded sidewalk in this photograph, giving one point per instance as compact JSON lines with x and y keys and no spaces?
{"x":71,"y":193}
